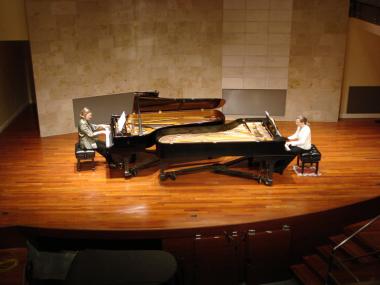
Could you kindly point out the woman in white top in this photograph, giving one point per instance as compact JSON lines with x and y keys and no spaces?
{"x":300,"y":141}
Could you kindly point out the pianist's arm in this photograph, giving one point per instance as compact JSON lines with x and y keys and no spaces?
{"x":294,"y":136}
{"x":86,"y":130}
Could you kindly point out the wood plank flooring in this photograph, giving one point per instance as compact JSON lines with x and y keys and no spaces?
{"x":40,"y":187}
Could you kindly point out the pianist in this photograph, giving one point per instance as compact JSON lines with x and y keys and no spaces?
{"x":300,"y":141}
{"x":88,"y":134}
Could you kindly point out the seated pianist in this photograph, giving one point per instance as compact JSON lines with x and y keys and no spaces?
{"x":300,"y":141}
{"x":88,"y":134}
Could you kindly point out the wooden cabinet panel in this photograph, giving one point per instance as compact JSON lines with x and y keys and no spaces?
{"x":216,"y":260}
{"x":252,"y":257}
{"x":267,"y":256}
{"x":183,"y":251}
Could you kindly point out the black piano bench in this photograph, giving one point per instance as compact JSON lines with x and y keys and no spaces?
{"x":84,"y":154}
{"x":311,"y":156}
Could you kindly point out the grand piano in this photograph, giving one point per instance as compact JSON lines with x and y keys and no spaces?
{"x":258,"y":141}
{"x":136,"y":132}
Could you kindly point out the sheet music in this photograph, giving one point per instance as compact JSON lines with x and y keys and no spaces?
{"x":120,"y":122}
{"x":273,"y":122}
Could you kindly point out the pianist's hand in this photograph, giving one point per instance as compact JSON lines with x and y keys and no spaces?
{"x":104,"y":126}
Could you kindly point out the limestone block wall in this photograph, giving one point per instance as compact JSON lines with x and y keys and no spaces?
{"x":256,"y":41}
{"x":190,"y":48}
{"x":317,"y":50}
{"x":88,"y":48}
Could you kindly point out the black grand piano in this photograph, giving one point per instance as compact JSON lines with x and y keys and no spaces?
{"x":136,"y":132}
{"x":256,"y":140}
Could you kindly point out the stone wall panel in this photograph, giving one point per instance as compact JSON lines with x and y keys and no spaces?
{"x":90,"y":48}
{"x":317,"y":49}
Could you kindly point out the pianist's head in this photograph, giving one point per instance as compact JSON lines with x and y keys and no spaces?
{"x":86,"y":114}
{"x":301,"y":121}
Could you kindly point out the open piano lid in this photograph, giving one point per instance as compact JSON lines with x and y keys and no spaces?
{"x":150,"y":102}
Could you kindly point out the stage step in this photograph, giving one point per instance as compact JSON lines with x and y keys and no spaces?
{"x":317,"y":264}
{"x":305,"y":275}
{"x":354,"y":227}
{"x":365,"y":270}
{"x":314,"y":271}
{"x":352,"y":248}
{"x":370,"y":239}
{"x":364,"y":273}
{"x":325,"y":251}
{"x":320,"y":268}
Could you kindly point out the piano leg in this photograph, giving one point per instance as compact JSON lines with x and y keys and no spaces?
{"x":127,"y":171}
{"x":131,"y":170}
{"x":268,"y":172}
{"x":163,"y":175}
{"x":143,"y":165}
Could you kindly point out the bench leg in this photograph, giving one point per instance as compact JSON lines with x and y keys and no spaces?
{"x":298,"y":160}
{"x":316,"y":167}
{"x":93,"y":164}
{"x":303,"y":167}
{"x":78,"y":165}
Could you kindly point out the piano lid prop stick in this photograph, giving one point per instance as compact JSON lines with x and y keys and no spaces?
{"x":246,"y":125}
{"x":139,"y":116}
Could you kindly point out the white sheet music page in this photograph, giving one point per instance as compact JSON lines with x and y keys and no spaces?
{"x":273,"y":122}
{"x":121,"y":122}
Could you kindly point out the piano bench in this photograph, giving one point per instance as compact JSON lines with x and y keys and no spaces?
{"x":311,"y":156}
{"x":84,"y":154}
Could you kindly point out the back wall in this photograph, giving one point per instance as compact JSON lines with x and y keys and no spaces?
{"x":90,"y":48}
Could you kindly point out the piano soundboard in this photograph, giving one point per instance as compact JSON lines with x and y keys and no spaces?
{"x":246,"y":132}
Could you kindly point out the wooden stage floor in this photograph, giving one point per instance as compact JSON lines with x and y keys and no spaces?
{"x":40,"y":187}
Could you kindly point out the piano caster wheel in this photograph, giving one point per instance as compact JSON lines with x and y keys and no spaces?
{"x":133,"y":171}
{"x":268,"y":182}
{"x":163,"y":176}
{"x":172,"y":176}
{"x":128,"y":174}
